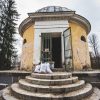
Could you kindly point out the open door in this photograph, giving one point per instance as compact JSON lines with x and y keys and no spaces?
{"x":56,"y":52}
{"x":51,"y":48}
{"x":68,"y":49}
{"x":46,"y":47}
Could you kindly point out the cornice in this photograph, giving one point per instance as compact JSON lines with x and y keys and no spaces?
{"x":26,"y":23}
{"x":51,"y":14}
{"x":81,"y":20}
{"x":70,"y":15}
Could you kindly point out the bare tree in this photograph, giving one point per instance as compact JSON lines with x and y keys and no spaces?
{"x":94,"y":43}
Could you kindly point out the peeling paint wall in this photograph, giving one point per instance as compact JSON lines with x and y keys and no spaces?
{"x":80,"y":48}
{"x":27,"y":49}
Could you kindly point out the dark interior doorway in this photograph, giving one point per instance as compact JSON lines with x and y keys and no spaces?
{"x":56,"y":51}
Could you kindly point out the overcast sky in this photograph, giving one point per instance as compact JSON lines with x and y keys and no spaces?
{"x":90,"y":9}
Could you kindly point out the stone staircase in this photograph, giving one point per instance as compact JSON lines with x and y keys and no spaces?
{"x":56,"y":86}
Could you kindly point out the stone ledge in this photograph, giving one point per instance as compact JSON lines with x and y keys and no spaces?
{"x":13,"y":73}
{"x":79,"y":94}
{"x":26,"y":95}
{"x":51,"y":89}
{"x":54,"y":75}
{"x":6,"y":95}
{"x":51,"y":82}
{"x":3,"y":85}
{"x":94,"y":96}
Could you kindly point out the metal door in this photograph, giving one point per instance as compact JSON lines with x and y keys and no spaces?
{"x":68,"y":49}
{"x":46,"y":47}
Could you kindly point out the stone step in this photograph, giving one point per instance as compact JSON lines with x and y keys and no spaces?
{"x":51,"y":89}
{"x":49,"y":82}
{"x":95,"y":95}
{"x":80,"y":94}
{"x":26,"y":95}
{"x":6,"y":95}
{"x":55,"y":75}
{"x":58,"y":69}
{"x":3,"y":85}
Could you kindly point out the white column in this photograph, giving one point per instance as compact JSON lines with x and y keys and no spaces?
{"x":37,"y":47}
{"x":62,"y":45}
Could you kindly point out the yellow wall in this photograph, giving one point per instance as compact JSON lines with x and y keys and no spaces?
{"x":80,"y":49}
{"x":27,"y":50}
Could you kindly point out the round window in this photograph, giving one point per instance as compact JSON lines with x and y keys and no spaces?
{"x":24,"y":41}
{"x":83,"y":38}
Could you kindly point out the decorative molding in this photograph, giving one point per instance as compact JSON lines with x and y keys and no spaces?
{"x":81,"y":20}
{"x":24,"y":25}
{"x":54,"y":27}
{"x":69,"y":15}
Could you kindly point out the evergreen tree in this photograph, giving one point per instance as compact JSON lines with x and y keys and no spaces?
{"x":8,"y":17}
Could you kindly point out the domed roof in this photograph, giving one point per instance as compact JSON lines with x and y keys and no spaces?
{"x":54,"y":13}
{"x":53,"y":9}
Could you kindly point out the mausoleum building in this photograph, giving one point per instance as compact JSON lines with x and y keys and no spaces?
{"x":57,"y":35}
